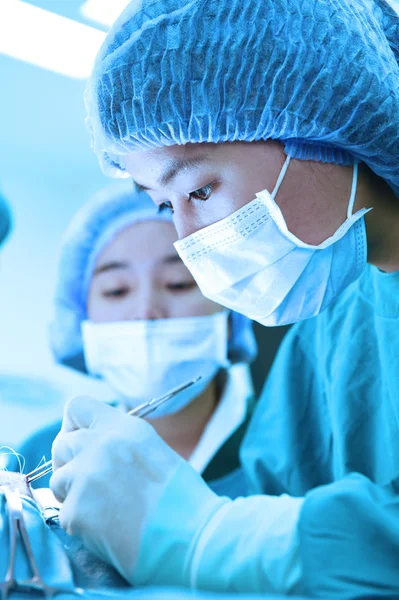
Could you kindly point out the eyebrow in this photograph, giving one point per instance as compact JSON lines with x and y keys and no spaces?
{"x":174,"y":168}
{"x":110,"y":266}
{"x":171,"y":259}
{"x":114,"y":265}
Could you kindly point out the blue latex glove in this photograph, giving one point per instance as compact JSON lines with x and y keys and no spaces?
{"x":138,"y":505}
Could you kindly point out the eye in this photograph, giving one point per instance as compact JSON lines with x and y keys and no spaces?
{"x":181,"y":286}
{"x":165,"y":206}
{"x":202,"y":193}
{"x":116,"y":293}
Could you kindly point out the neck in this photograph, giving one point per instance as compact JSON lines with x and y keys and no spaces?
{"x":183,"y":430}
{"x":382,"y":223}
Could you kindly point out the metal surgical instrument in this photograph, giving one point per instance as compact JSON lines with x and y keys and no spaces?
{"x":140,"y":411}
{"x":17,"y":526}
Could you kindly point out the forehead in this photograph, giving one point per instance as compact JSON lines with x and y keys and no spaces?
{"x":145,"y":241}
{"x":150,"y":164}
{"x":167,"y":153}
{"x":151,"y":161}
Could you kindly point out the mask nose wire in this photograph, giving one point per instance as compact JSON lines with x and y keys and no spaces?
{"x":353,"y":191}
{"x":281,"y":177}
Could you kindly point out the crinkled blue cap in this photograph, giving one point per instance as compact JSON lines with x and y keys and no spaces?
{"x":93,"y":227}
{"x":5,"y":219}
{"x":322,"y":76}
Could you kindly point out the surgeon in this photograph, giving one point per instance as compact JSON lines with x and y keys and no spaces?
{"x":271,"y":130}
{"x":128,"y":311}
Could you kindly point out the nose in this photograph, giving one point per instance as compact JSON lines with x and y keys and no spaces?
{"x":189,"y":218}
{"x":147,"y":305}
{"x":185,"y":224}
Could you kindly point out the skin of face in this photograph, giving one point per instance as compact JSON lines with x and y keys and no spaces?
{"x":139,"y":275}
{"x":204,"y":183}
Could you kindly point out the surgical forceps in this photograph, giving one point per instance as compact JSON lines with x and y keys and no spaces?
{"x":17,"y":526}
{"x":140,"y":411}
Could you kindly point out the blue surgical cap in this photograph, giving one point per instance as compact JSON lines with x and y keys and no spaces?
{"x":322,"y":76}
{"x":93,"y":227}
{"x":5,"y":220}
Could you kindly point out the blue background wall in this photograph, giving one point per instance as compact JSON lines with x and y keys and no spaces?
{"x":47,"y":170}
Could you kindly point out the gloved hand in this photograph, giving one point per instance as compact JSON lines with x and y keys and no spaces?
{"x":138,"y":505}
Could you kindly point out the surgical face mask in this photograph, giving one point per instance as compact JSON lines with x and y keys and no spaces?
{"x":252,"y":264}
{"x":141,"y":360}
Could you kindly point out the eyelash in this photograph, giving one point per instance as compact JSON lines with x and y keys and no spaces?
{"x":182,"y":287}
{"x":168,"y":205}
{"x":119,"y":293}
{"x":116,"y":293}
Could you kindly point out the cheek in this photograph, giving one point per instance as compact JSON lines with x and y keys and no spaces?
{"x":314,"y":198}
{"x":101,"y":310}
{"x":92,"y":306}
{"x":98,"y":311}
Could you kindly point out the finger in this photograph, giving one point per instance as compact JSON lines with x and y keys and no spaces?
{"x":68,"y":445}
{"x":62,"y":479}
{"x":85,"y":412}
{"x":76,"y":514}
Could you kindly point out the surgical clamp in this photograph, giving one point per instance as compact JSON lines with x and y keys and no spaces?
{"x":17,"y":526}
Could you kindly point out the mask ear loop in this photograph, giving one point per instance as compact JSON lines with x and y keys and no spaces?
{"x":353,"y":191}
{"x":281,"y":177}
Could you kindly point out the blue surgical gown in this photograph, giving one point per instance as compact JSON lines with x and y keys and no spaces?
{"x":331,"y":403}
{"x":330,"y":408}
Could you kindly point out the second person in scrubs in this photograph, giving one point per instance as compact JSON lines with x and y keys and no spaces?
{"x":128,"y":311}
